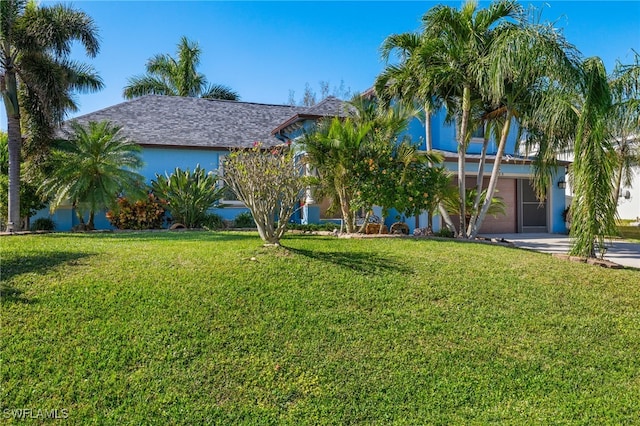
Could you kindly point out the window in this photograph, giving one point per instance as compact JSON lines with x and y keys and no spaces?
{"x":478,"y":133}
{"x":229,"y":196}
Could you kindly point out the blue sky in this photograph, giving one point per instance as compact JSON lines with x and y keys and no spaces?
{"x":265,"y":49}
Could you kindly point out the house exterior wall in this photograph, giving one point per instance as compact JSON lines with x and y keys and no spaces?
{"x":159,"y":160}
{"x":444,"y":136}
{"x":629,"y":208}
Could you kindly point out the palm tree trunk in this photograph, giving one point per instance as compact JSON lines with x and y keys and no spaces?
{"x":345,"y":210}
{"x":619,"y":180}
{"x":462,"y":150}
{"x":90,"y":225}
{"x":9,"y":90}
{"x":493,"y":182}
{"x":479,"y":181}
{"x":14,"y":142}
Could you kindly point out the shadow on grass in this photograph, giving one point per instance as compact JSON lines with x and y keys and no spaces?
{"x":364,"y":263}
{"x":37,"y":263}
{"x":165,"y":235}
{"x":9,"y":294}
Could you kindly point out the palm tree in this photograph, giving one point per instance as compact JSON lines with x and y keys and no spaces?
{"x":511,"y":83}
{"x":593,"y":207}
{"x":455,"y":41}
{"x":576,"y":119}
{"x":36,"y":75}
{"x":332,"y":149}
{"x":92,"y":167}
{"x":177,"y":77}
{"x":410,"y":83}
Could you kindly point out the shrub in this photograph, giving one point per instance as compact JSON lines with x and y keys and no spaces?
{"x":188,"y":194}
{"x":444,"y":232}
{"x":213,"y":221}
{"x":43,"y":224}
{"x":147,"y":213}
{"x":244,"y":220}
{"x":313,"y":227}
{"x":270,"y":183}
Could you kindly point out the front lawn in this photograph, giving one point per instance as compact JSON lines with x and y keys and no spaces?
{"x":629,"y":232}
{"x":185,"y":328}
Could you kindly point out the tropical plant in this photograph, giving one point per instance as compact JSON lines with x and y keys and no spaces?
{"x":392,"y":172}
{"x":410,"y":82}
{"x":332,"y":149}
{"x":144,"y":213}
{"x":513,"y":86}
{"x":188,"y":195}
{"x":244,"y":220}
{"x":625,"y":121}
{"x":451,"y":202}
{"x":213,"y":221}
{"x":37,"y":77}
{"x":43,"y":224}
{"x":171,"y":76}
{"x":593,"y":206}
{"x":91,"y":167}
{"x":456,"y":41}
{"x":270,"y":183}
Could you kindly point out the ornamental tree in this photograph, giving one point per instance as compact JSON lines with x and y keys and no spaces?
{"x":270,"y":183}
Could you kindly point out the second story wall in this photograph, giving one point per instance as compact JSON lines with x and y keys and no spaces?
{"x":444,"y":136}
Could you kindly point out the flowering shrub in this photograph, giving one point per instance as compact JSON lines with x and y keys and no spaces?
{"x":270,"y":183}
{"x":147,"y":213}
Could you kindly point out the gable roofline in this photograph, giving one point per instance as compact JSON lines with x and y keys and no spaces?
{"x":328,"y":107}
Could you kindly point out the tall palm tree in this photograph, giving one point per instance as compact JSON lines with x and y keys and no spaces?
{"x":512,"y":83}
{"x":92,"y":167}
{"x":410,"y":82}
{"x":576,"y":120}
{"x":171,"y":76}
{"x":593,"y":207}
{"x":36,"y":75}
{"x":455,"y":42}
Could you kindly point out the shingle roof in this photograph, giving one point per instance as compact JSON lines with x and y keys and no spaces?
{"x":194,"y":122}
{"x":328,"y":107}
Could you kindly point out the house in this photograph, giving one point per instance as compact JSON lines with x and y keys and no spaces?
{"x":629,"y":199}
{"x":184,"y":132}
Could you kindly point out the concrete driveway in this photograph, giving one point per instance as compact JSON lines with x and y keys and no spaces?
{"x":624,"y":253}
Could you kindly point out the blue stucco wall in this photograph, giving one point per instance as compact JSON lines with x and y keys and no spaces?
{"x":156,"y":160}
{"x":444,"y":136}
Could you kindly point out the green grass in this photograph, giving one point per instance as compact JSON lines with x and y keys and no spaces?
{"x":629,"y":232}
{"x":184,"y":328}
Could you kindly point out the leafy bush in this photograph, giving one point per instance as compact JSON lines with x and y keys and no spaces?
{"x":312,"y":227}
{"x":213,"y":221}
{"x":147,"y":213}
{"x":244,"y":220}
{"x":444,"y":232}
{"x":270,"y":183}
{"x":43,"y":224}
{"x":188,"y":195}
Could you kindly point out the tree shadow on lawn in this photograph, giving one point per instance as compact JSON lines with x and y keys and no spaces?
{"x":364,"y":263}
{"x":9,"y":294}
{"x":166,"y":235}
{"x":35,"y":263}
